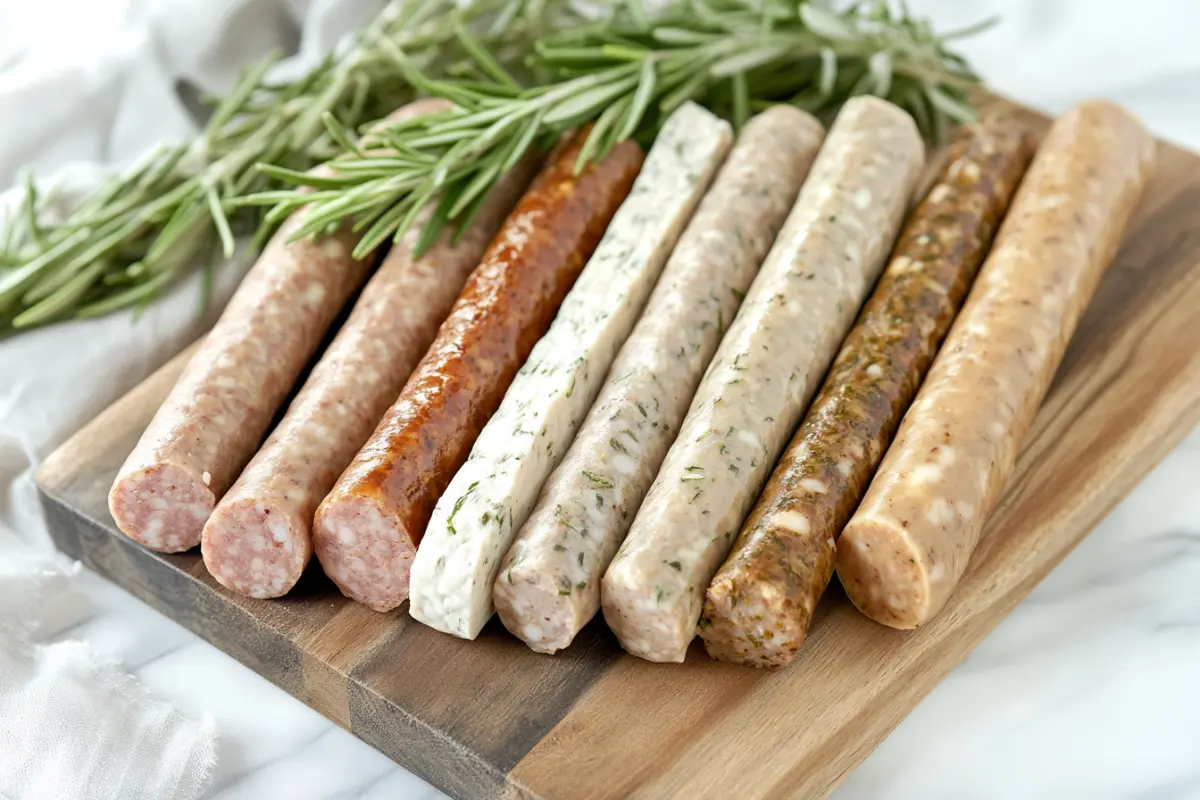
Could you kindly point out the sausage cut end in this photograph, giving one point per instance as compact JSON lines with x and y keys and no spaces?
{"x":884,"y":574}
{"x":536,"y":609}
{"x":255,"y":547}
{"x":364,"y":550}
{"x":162,"y":506}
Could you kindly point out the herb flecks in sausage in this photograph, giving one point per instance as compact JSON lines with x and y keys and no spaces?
{"x":573,"y":358}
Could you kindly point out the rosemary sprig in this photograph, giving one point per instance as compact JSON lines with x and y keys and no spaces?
{"x":173,"y":210}
{"x":626,"y":74}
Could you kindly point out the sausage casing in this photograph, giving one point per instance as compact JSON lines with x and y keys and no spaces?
{"x":216,"y":415}
{"x":760,"y":604}
{"x":910,"y":541}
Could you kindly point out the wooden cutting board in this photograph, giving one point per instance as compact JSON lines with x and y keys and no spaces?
{"x":491,"y":718}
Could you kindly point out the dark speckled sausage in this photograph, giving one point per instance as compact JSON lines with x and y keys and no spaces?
{"x":760,"y":604}
{"x":366,"y":531}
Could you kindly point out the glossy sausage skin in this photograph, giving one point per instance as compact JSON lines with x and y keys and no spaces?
{"x":258,"y":539}
{"x":367,"y":529}
{"x":760,"y":604}
{"x":910,"y":541}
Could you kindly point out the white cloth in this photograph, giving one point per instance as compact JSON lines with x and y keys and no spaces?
{"x":76,"y":725}
{"x":81,"y":99}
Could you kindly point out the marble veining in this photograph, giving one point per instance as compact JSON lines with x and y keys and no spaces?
{"x":1090,"y":689}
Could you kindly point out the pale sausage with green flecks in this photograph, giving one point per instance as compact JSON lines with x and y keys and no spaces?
{"x":548,"y":587}
{"x":767,"y":367}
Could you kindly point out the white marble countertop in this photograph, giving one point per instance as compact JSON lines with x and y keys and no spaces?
{"x":1090,"y":689}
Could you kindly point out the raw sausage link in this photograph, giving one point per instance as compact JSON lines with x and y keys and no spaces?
{"x":490,"y":497}
{"x":760,"y":604}
{"x":816,"y":276}
{"x":215,"y":416}
{"x":588,"y":502}
{"x":366,"y":531}
{"x":258,"y":540}
{"x":910,"y":540}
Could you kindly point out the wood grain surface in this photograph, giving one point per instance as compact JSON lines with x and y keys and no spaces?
{"x":491,"y":718}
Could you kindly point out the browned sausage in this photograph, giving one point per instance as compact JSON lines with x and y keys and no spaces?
{"x":905,"y":548}
{"x":367,"y":530}
{"x":760,"y":604}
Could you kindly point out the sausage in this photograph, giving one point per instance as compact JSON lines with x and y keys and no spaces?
{"x":548,"y":586}
{"x":765,"y":371}
{"x":258,"y":539}
{"x":367,"y":530}
{"x":491,"y":495}
{"x":760,"y":604}
{"x":905,"y":548}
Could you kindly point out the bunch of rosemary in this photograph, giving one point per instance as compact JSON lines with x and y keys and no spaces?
{"x":173,"y":211}
{"x":520,"y":73}
{"x":626,"y":74}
